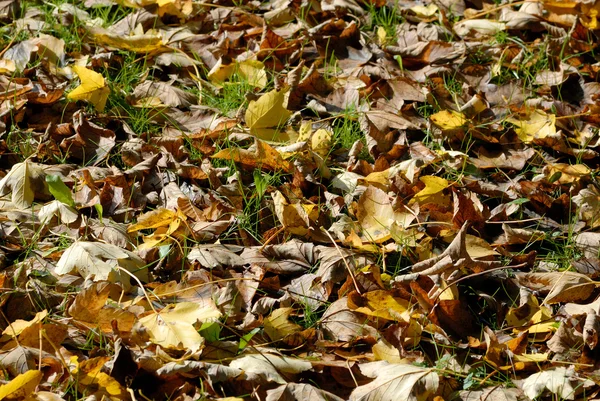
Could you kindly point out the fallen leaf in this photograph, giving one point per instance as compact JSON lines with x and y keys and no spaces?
{"x":268,"y":111}
{"x":24,"y":181}
{"x":92,"y":89}
{"x":173,"y":327}
{"x":269,"y":367}
{"x":21,"y":386}
{"x":300,"y":391}
{"x":100,"y":261}
{"x":449,"y":119}
{"x":538,"y":125}
{"x":558,"y":381}
{"x":404,"y":381}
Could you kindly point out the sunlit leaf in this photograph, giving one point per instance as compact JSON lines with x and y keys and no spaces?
{"x":92,"y":89}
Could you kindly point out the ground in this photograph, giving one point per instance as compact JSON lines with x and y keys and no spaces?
{"x":299,"y":199}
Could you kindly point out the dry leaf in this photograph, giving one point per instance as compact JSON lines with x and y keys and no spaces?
{"x":404,"y":381}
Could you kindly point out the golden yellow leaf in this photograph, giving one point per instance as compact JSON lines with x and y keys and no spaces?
{"x":384,"y":351}
{"x":379,"y":179}
{"x":381,"y":35}
{"x":305,"y":132}
{"x":21,"y":386}
{"x":377,"y":216}
{"x":296,"y":217}
{"x":278,"y":325}
{"x":220,"y":72}
{"x":261,"y":155}
{"x":448,"y":119}
{"x":173,"y":327}
{"x":589,"y":14}
{"x":17,"y":327}
{"x":321,"y":142}
{"x":154,"y":219}
{"x":138,"y":42}
{"x":91,"y":379}
{"x":178,"y":8}
{"x":432,"y":193}
{"x":537,"y":125}
{"x":567,"y":173}
{"x":531,"y":316}
{"x":382,"y":304}
{"x":268,"y":111}
{"x":477,"y":247}
{"x":92,"y":89}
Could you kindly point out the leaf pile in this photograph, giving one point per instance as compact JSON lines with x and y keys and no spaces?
{"x":291,"y":200}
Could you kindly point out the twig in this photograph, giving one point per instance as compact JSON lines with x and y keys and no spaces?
{"x":345,"y":262}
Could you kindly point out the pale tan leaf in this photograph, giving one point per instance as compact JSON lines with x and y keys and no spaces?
{"x":300,"y":392}
{"x":397,"y":381}
{"x":271,"y":368}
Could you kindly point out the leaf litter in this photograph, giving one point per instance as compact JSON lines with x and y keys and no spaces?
{"x":349,"y":200}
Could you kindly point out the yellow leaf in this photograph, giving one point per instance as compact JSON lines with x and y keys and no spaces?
{"x":538,"y":125}
{"x":382,"y":304}
{"x":254,"y":72}
{"x":220,"y":72}
{"x":268,"y":111}
{"x":278,"y":325}
{"x":531,"y":316}
{"x":21,"y":386}
{"x":448,"y":119}
{"x":305,"y":132}
{"x":91,"y":380}
{"x":589,"y":14}
{"x":478,"y":247}
{"x":178,"y":8}
{"x":432,"y":193}
{"x":531,"y":358}
{"x":296,"y":218}
{"x":92,"y":89}
{"x":139,"y":42}
{"x":425,"y":11}
{"x":173,"y":328}
{"x":321,"y":142}
{"x":384,"y":351}
{"x":376,"y":216}
{"x":379,"y":179}
{"x":567,"y":173}
{"x":154,"y":219}
{"x":17,"y":327}
{"x":261,"y":155}
{"x":381,"y":35}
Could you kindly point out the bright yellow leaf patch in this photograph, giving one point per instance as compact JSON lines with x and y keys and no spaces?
{"x":93,"y":89}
